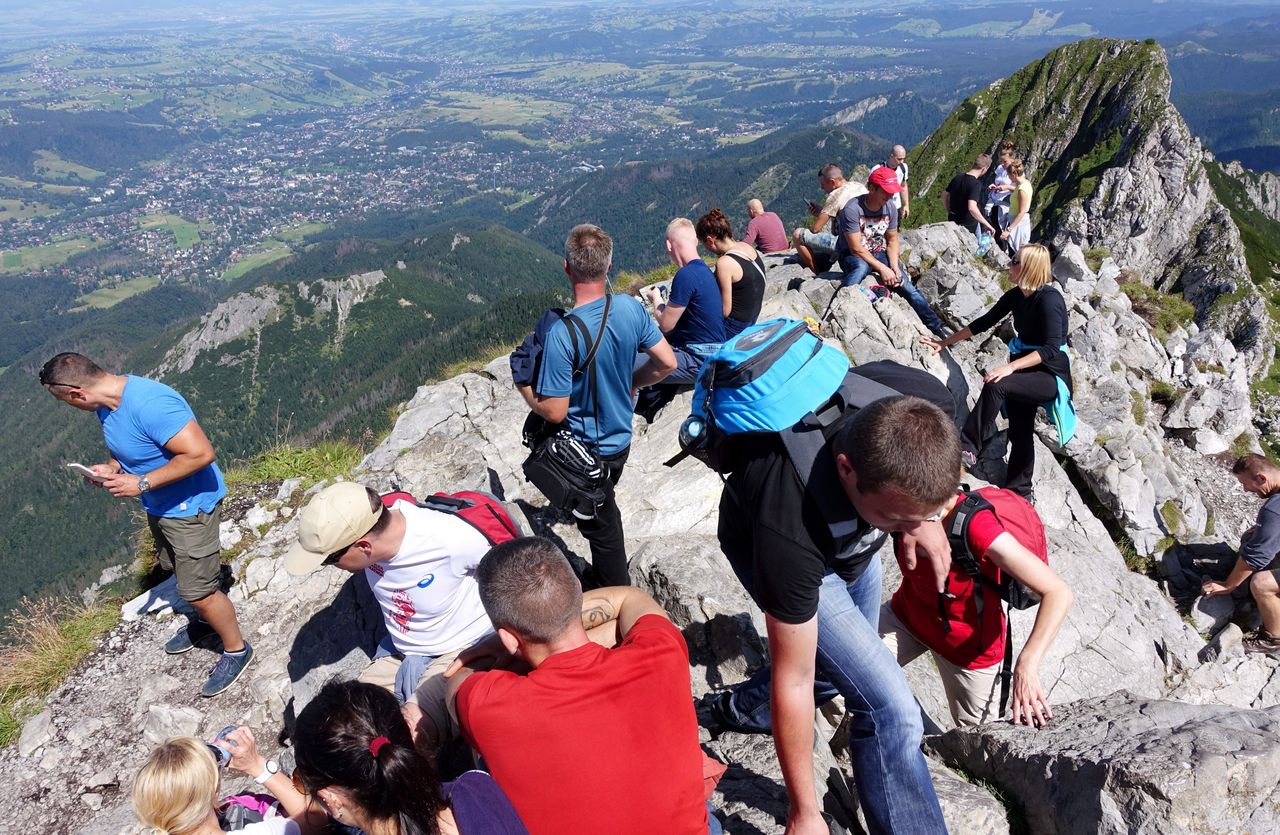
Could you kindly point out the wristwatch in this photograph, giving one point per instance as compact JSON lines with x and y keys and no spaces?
{"x":271,"y":767}
{"x":144,"y":484}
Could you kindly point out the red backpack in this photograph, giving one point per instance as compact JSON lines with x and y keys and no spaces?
{"x":479,"y":510}
{"x":1019,"y":518}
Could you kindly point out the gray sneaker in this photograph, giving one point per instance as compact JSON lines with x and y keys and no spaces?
{"x":226,"y":671}
{"x":195,"y":633}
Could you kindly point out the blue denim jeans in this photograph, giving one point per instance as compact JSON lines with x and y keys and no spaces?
{"x":885,"y":727}
{"x":855,"y":269}
{"x":713,"y":823}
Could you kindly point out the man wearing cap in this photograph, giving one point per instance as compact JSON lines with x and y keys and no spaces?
{"x":161,"y":456}
{"x":420,"y":564}
{"x":868,"y":241}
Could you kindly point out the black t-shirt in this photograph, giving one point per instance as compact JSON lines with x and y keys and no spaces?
{"x":776,"y":537}
{"x":963,"y":188}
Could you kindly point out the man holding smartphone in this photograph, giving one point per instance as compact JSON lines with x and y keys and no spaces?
{"x":160,"y":455}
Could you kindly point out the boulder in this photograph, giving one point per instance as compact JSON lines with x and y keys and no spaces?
{"x":1127,"y":764}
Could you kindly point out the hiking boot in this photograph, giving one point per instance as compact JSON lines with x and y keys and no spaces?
{"x":1264,"y":642}
{"x":195,"y":633}
{"x":722,"y":718}
{"x":226,"y":671}
{"x":968,"y":459}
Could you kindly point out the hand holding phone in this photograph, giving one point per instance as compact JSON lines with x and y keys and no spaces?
{"x":87,"y":473}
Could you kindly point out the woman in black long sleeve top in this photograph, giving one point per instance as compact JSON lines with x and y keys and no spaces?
{"x":1030,"y":378}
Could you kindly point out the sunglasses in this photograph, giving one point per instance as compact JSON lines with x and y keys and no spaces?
{"x":45,"y":381}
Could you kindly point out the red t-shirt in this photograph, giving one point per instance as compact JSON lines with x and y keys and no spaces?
{"x":595,"y":739}
{"x":916,"y":604}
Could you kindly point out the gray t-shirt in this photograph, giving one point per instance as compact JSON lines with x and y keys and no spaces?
{"x":1261,"y":548}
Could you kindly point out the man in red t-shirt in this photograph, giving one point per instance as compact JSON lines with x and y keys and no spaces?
{"x":600,"y":735}
{"x":969,"y":652}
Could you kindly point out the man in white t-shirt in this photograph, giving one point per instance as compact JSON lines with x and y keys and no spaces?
{"x":815,"y":246}
{"x":897,"y":163}
{"x":420,"y":564}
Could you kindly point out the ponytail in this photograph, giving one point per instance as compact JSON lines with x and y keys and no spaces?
{"x":353,"y":736}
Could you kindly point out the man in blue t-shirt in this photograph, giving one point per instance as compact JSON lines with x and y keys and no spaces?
{"x":868,"y":242}
{"x":598,"y":412}
{"x":160,"y":455}
{"x":693,"y":316}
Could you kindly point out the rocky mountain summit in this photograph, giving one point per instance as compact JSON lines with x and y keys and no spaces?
{"x":1162,"y":724}
{"x":1146,"y":732}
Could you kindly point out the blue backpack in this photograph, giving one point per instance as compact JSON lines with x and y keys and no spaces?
{"x":765,"y":379}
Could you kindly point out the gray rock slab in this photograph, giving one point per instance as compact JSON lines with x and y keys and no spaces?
{"x":1125,"y":764}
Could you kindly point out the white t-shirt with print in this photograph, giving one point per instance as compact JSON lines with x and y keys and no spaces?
{"x":428,"y":592}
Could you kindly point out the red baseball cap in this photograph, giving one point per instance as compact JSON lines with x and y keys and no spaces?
{"x":886,"y":178}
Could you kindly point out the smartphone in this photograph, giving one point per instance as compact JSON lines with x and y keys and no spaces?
{"x":86,"y":472}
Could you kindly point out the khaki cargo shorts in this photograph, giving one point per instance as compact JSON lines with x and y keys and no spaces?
{"x":188,"y":546}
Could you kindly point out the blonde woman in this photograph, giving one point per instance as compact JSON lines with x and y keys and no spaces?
{"x":176,"y":792}
{"x":1037,"y":374}
{"x":1018,"y":233}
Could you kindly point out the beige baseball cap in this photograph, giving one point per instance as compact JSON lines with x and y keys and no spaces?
{"x":335,"y":518}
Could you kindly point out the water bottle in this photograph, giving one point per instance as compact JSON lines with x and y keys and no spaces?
{"x":984,"y":243}
{"x":222,"y":755}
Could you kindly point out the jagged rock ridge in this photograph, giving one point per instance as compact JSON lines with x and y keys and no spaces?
{"x":1116,"y":168}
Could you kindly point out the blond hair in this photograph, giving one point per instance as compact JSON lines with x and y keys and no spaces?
{"x":1036,"y":270}
{"x":1015,"y":168}
{"x":177,"y":788}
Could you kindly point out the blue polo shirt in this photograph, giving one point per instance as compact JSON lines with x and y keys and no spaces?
{"x":603,"y":421}
{"x":149,"y":415}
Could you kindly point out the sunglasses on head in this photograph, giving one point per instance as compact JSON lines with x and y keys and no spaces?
{"x":45,"y":381}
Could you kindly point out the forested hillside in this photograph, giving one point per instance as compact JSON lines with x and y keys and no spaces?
{"x":449,"y":293}
{"x":634,"y":203}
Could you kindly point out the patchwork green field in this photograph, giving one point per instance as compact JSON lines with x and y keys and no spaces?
{"x":185,"y":233}
{"x":11,"y":209}
{"x":39,"y":257}
{"x":274,"y":252}
{"x":50,"y":166}
{"x":105,"y":297}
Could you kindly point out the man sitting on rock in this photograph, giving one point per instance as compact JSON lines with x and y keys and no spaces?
{"x":808,"y":555}
{"x":765,"y":230}
{"x":815,"y":246}
{"x":600,"y":735}
{"x":1258,"y":549}
{"x":868,"y":227}
{"x":420,"y":565}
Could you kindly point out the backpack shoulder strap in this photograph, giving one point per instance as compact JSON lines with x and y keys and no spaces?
{"x":958,"y":533}
{"x":806,"y":440}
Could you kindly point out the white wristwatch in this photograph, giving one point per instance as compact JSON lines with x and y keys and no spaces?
{"x":271,"y":767}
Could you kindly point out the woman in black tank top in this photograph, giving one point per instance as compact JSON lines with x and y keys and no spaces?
{"x":739,"y":271}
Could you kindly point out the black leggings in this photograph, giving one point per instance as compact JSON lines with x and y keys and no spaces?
{"x":1021,"y":393}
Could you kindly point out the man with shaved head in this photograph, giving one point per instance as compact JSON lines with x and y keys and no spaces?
{"x":897,"y":163}
{"x":765,"y":230}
